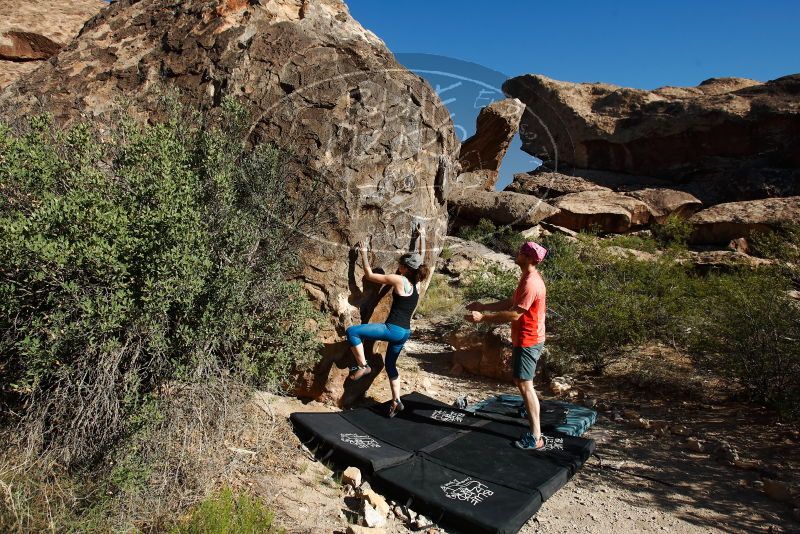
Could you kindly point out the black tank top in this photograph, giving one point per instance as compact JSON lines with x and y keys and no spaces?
{"x":402,"y":308}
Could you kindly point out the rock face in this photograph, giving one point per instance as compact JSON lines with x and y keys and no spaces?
{"x":664,"y":203}
{"x":468,"y":255}
{"x":724,"y":222}
{"x":31,"y":32}
{"x":502,"y":207}
{"x":370,"y":135}
{"x":550,"y":185}
{"x":483,"y":353}
{"x":727,"y":139}
{"x":606,"y":210}
{"x":482,"y":153}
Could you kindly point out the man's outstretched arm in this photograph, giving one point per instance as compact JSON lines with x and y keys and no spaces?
{"x":503,"y":316}
{"x":500,"y":305}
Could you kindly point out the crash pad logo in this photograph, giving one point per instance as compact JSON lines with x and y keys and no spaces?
{"x":447,"y":416}
{"x":469,"y":490}
{"x":553,"y":444}
{"x":362,"y":442}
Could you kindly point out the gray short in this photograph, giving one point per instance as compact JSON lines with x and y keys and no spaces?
{"x":525,"y":360}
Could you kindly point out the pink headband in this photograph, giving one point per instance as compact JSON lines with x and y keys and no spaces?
{"x":534,"y":251}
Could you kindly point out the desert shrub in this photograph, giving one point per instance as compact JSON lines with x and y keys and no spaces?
{"x":635,"y":242}
{"x":228,"y":513}
{"x":492,"y":282}
{"x":783,"y":243}
{"x":599,"y":304}
{"x":745,"y":325}
{"x":673,"y":232}
{"x":155,"y":258}
{"x":503,"y":239}
{"x":441,"y":298}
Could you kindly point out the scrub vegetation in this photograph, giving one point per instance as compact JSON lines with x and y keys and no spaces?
{"x":742,"y":324}
{"x":145,"y":287}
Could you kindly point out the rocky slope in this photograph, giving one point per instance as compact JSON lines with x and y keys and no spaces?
{"x":369,"y":139}
{"x":31,"y":32}
{"x":728,"y":139}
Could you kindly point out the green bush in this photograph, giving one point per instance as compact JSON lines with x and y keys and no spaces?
{"x":745,"y":325}
{"x":634,"y":242}
{"x":674,"y":232}
{"x":599,"y":304}
{"x":494,"y":282}
{"x":504,"y":239}
{"x":226,"y":513}
{"x":783,"y":243}
{"x":441,"y":298}
{"x":155,"y":257}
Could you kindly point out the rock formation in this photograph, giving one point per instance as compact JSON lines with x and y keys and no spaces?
{"x":724,"y":222}
{"x":604,"y":210}
{"x":727,"y":139}
{"x":550,"y":185}
{"x":370,"y":135}
{"x":481,"y":154}
{"x":664,"y":203}
{"x":502,"y":207}
{"x":31,"y":32}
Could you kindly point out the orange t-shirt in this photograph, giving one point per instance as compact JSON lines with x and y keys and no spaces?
{"x":531,"y":295}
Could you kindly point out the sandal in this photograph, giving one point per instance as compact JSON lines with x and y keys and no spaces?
{"x":357,"y":371}
{"x":395,"y":408}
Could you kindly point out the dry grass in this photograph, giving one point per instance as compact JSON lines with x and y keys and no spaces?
{"x":204,"y":437}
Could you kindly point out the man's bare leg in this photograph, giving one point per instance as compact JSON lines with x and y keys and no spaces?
{"x":531,"y":405}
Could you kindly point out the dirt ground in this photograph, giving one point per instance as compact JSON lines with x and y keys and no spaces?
{"x":644,"y":481}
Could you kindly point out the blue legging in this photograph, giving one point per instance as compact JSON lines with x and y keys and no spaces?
{"x":395,"y":335}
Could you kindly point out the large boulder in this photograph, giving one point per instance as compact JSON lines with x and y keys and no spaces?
{"x":464,"y":256}
{"x":724,"y":222}
{"x":363,"y":130}
{"x":483,"y":352}
{"x":482,"y":154}
{"x":738,"y":138}
{"x":503,"y":207}
{"x":31,"y":32}
{"x":664,"y":203}
{"x":550,"y":185}
{"x":604,"y":210}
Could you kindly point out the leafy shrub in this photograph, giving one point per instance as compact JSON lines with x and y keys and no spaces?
{"x":782,"y":243}
{"x":125,"y":266}
{"x":504,"y":239}
{"x":746,"y":326}
{"x":598,"y":304}
{"x":492,"y":283}
{"x":634,"y":242}
{"x":226,"y":513}
{"x":441,"y":299}
{"x":673,"y":232}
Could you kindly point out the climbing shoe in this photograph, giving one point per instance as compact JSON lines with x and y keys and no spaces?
{"x":395,"y":407}
{"x":528,"y":443}
{"x":357,"y":371}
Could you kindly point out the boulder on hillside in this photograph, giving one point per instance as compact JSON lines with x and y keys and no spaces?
{"x":371,"y":136}
{"x":464,"y":255}
{"x":664,"y":203}
{"x":605,"y":210}
{"x":16,"y":45}
{"x":31,"y":32}
{"x":483,"y":352}
{"x":496,"y":126}
{"x":550,"y":185}
{"x":502,"y":207}
{"x":737,"y":137}
{"x":722,"y":223}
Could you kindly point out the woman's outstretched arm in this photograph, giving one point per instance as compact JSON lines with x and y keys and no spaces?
{"x":387,"y":279}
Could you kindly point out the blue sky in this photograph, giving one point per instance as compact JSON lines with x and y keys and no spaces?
{"x":636,"y":44}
